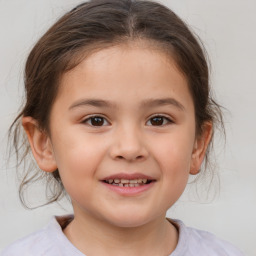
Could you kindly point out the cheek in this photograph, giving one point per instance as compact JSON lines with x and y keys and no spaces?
{"x":77,"y":158}
{"x":77,"y":168}
{"x":75,"y":147}
{"x":173,"y":152}
{"x":174,"y":164}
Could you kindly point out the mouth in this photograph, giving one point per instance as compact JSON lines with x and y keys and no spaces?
{"x":131,"y":184}
{"x":121,"y":182}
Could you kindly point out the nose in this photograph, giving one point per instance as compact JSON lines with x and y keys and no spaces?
{"x":128,"y":144}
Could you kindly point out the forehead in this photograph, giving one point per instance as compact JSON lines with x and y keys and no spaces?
{"x":131,"y":67}
{"x":101,"y":53}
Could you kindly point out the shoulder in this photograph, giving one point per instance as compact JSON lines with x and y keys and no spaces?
{"x":33,"y":243}
{"x":199,"y":243}
{"x":41,"y":243}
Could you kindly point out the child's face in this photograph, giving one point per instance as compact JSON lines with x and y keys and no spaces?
{"x":144,"y":129}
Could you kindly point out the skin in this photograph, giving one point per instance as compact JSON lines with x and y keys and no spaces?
{"x":131,"y":79}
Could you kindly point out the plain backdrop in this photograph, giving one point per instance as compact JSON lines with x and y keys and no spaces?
{"x":227,"y":28}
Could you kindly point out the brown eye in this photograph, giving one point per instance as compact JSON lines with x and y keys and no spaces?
{"x":96,"y":121}
{"x":158,"y":121}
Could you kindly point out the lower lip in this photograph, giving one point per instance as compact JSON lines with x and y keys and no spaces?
{"x":129,"y":191}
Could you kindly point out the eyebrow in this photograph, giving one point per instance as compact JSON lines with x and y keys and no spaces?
{"x":146,"y":103}
{"x":93,"y":102}
{"x":162,"y":102}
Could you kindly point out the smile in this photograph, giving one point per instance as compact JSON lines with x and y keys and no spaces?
{"x":127,"y":182}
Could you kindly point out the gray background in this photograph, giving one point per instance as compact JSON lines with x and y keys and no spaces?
{"x":228,"y":29}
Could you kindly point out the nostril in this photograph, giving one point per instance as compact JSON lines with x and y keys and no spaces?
{"x":130,"y":158}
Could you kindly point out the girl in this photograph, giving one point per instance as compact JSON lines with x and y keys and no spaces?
{"x":118,"y":113}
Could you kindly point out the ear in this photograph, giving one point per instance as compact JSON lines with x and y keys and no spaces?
{"x":40,"y":145}
{"x":200,"y":147}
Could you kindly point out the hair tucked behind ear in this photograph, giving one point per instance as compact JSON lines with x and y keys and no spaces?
{"x":92,"y":26}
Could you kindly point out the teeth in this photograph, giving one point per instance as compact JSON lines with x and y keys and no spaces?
{"x":124,"y":181}
{"x":127,"y":183}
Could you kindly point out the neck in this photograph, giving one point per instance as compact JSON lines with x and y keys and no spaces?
{"x":95,"y":237}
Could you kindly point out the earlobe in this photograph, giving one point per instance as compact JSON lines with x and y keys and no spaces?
{"x":40,"y":145}
{"x":200,"y":147}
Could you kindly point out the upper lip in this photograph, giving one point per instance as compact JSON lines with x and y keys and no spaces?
{"x":128,"y":176}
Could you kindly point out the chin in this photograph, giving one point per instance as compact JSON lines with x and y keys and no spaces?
{"x":130,"y":220}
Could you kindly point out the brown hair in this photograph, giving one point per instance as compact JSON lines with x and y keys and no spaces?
{"x":90,"y":27}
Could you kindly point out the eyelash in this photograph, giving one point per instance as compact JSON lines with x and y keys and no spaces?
{"x":164,"y":119}
{"x":89,"y":119}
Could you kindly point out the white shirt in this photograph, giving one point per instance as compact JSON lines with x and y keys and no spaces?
{"x":51,"y":241}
